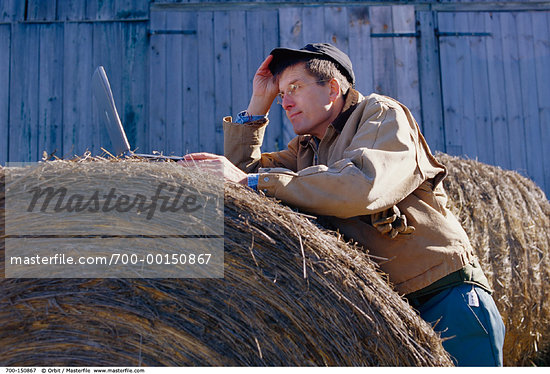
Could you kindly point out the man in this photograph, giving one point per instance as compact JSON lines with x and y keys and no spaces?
{"x":362,"y":164}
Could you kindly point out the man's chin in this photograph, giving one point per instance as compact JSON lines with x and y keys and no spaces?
{"x":300,"y":132}
{"x":300,"y":128}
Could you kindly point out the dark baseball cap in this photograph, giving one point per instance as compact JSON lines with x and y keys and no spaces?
{"x":314,"y":50}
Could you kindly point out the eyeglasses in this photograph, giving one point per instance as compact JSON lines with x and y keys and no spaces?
{"x":292,"y":88}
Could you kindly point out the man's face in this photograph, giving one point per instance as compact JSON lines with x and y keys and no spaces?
{"x":308,"y":107}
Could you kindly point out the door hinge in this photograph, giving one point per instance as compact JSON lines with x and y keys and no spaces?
{"x":439,"y":33}
{"x":172,"y":32}
{"x":395,"y":35}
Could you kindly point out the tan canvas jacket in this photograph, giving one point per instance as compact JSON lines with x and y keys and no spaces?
{"x":372,"y":157}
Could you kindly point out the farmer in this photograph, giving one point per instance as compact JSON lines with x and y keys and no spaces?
{"x":362,"y":165}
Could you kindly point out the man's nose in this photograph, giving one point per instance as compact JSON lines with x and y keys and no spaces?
{"x":288,"y":103}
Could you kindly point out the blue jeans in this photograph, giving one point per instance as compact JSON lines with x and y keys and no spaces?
{"x":474,"y":334}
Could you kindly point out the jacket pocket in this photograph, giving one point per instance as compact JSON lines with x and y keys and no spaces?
{"x":427,"y":194}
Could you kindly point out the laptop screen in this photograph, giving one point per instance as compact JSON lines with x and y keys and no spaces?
{"x":107,"y":111}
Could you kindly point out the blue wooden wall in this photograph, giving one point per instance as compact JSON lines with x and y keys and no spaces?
{"x":476,"y":74}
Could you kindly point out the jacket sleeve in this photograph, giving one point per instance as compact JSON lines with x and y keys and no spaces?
{"x":242,"y":147}
{"x":378,"y":167}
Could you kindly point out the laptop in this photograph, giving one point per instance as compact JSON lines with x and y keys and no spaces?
{"x":108,"y":114}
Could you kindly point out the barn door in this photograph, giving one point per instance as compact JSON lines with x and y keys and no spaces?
{"x":495,"y":85}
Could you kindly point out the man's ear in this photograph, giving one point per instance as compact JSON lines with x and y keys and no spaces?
{"x":334,"y":89}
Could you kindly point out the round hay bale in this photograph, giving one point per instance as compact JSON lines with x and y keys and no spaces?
{"x":507,"y":218}
{"x":293,"y":294}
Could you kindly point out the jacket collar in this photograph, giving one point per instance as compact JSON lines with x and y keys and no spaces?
{"x":350,"y":103}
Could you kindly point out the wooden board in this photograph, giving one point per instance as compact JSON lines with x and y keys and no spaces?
{"x":514,"y":111}
{"x":360,"y":48}
{"x":77,"y":98}
{"x":24,"y":88}
{"x":157,"y":84}
{"x":481,"y":105}
{"x":260,"y":23}
{"x":133,"y":110}
{"x":541,"y":32}
{"x":383,"y":51}
{"x":208,"y":121}
{"x":431,"y":121}
{"x":456,"y":73}
{"x":190,"y":61}
{"x":313,"y":25}
{"x":50,"y":90}
{"x":173,"y":75}
{"x":5,"y":45}
{"x":12,"y":10}
{"x":40,"y":10}
{"x":239,"y":77}
{"x":100,"y":9}
{"x":336,"y":28}
{"x":529,"y":102}
{"x":222,"y":76}
{"x":497,"y":94}
{"x":406,"y":59}
{"x":108,"y":48}
{"x":71,"y":10}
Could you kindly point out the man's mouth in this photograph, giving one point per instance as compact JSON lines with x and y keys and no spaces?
{"x":293,"y":115}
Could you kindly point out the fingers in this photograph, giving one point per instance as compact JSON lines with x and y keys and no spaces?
{"x":211,"y":166}
{"x":384,"y":220}
{"x":401,"y":226}
{"x":391,"y":222}
{"x":201,"y":159}
{"x":409,"y":230}
{"x":202,"y":163}
{"x":264,"y":74}
{"x":264,"y":66}
{"x":264,"y":89}
{"x":216,"y":165}
{"x":200,"y":156}
{"x":400,"y":223}
{"x":384,"y":229}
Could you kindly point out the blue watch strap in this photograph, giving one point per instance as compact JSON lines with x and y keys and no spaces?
{"x":252,"y":181}
{"x":244,"y":117}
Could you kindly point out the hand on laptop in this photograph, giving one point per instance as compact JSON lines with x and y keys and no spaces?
{"x":217,"y":164}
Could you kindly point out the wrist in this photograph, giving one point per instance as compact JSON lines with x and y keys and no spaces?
{"x":252,"y":181}
{"x":259,"y":106}
{"x":245,"y":117}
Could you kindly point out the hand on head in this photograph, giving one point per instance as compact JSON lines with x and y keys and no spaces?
{"x":265,"y":88}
